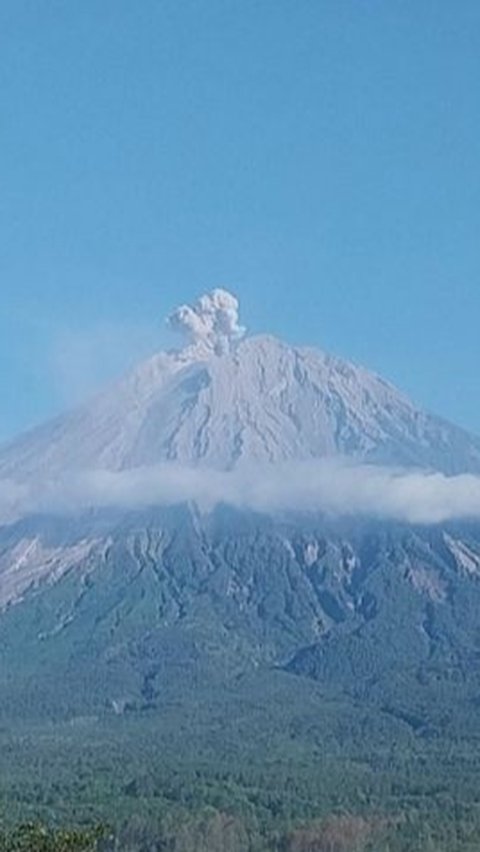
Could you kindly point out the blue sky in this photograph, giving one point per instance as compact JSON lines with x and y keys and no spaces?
{"x":319,"y":158}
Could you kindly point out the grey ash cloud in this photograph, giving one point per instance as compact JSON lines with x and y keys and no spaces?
{"x":212,"y":321}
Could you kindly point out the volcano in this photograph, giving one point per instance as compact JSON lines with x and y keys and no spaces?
{"x":124,"y":609}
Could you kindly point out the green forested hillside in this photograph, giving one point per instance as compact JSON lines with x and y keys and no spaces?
{"x":235,"y":683}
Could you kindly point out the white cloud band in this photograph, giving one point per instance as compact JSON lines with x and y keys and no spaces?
{"x":332,"y":487}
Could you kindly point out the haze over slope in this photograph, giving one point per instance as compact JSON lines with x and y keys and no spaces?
{"x":226,"y":400}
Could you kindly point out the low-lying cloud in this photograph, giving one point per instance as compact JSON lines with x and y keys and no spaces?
{"x":334,"y":488}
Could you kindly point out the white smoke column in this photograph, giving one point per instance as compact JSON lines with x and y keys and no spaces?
{"x":211,"y":323}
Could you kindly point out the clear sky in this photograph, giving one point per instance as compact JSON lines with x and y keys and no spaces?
{"x":321,"y":158}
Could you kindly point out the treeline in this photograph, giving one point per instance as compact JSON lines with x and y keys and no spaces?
{"x":211,"y":831}
{"x":335,"y":788}
{"x":216,"y":831}
{"x":36,"y":837}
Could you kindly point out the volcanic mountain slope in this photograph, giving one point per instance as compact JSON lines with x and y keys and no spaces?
{"x":225,"y":400}
{"x":168,"y":650}
{"x":126,"y":610}
{"x":127,"y":604}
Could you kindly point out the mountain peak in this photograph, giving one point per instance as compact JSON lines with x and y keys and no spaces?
{"x":227,"y":399}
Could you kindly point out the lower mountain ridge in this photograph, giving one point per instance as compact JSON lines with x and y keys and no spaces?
{"x":232,"y":682}
{"x":117,"y":610}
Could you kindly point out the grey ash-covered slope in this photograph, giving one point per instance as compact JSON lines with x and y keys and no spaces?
{"x":255,"y":399}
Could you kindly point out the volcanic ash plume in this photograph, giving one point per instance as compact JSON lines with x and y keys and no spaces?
{"x":212,"y":322}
